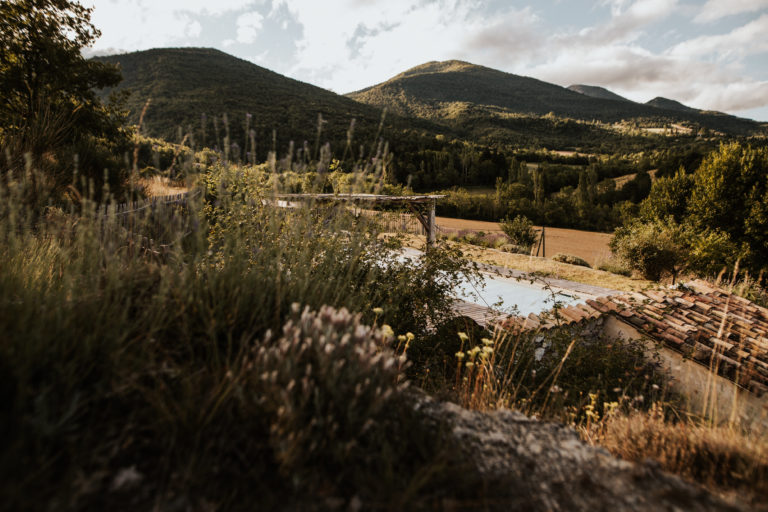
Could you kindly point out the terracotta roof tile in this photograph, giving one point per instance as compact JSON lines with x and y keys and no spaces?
{"x":701,"y":321}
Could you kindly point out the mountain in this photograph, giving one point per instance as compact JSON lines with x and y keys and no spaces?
{"x":207,"y":93}
{"x":596,"y":92}
{"x":668,"y":104}
{"x":454,"y":92}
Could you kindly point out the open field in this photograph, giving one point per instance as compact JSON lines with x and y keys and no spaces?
{"x":589,"y":245}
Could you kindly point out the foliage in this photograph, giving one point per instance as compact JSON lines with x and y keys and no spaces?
{"x":615,"y":267}
{"x":130,"y":350}
{"x":563,"y":373}
{"x":333,"y":391}
{"x":721,"y":207}
{"x":570,"y":259}
{"x":519,"y":231}
{"x":654,"y":249}
{"x":50,"y":110}
{"x":668,"y":197}
{"x":730,"y":194}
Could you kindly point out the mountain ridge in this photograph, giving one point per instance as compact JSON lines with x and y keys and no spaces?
{"x":442,"y":90}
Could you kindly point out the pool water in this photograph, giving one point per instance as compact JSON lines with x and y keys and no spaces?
{"x":509,"y":295}
{"x":518,"y":297}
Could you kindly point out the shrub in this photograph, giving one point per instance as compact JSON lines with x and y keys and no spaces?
{"x":520,"y":231}
{"x":329,"y":384}
{"x":515,"y":249}
{"x":615,"y":267}
{"x":654,"y":249}
{"x":570,"y":259}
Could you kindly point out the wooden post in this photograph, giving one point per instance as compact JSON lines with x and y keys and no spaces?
{"x":432,"y":227}
{"x":543,"y":242}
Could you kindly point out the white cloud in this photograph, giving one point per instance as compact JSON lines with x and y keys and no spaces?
{"x":748,"y":39}
{"x":248,"y":27}
{"x":716,"y":9}
{"x":141,"y":24}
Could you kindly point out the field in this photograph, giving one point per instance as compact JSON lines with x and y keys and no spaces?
{"x":588,"y":245}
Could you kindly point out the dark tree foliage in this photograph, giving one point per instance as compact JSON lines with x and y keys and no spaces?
{"x":47,"y":101}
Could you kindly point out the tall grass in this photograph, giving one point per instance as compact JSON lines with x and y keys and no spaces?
{"x":128,"y":372}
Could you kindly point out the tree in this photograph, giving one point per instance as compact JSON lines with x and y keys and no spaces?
{"x":668,"y":197}
{"x":48,"y":104}
{"x":520,"y":231}
{"x":730,"y":195}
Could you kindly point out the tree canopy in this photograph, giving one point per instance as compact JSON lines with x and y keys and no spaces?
{"x":48,"y":103}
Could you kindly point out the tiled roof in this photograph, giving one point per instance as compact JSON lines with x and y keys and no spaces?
{"x":710,"y":325}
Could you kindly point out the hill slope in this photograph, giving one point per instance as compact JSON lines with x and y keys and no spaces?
{"x":193,"y":89}
{"x":454,"y":89}
{"x":596,"y":92}
{"x":668,"y":104}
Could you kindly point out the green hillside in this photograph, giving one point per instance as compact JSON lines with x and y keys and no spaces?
{"x":448,"y":90}
{"x":596,"y":92}
{"x":207,"y":94}
{"x":668,"y":104}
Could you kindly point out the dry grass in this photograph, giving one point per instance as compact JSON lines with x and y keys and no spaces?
{"x":623,"y":180}
{"x":162,"y":186}
{"x":544,"y":266}
{"x":724,"y":459}
{"x":588,"y":245}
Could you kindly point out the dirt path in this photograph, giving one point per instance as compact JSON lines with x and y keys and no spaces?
{"x":589,"y":245}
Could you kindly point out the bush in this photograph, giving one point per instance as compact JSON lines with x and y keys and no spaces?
{"x":615,"y":267}
{"x":654,"y":249}
{"x":520,"y":231}
{"x":332,"y":388}
{"x":515,"y":249}
{"x":570,"y":259}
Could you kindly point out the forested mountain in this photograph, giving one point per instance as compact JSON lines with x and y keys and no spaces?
{"x":455,"y":90}
{"x":596,"y":92}
{"x":208,"y":94}
{"x":668,"y":104}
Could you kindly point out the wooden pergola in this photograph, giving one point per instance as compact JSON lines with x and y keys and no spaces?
{"x":422,"y":207}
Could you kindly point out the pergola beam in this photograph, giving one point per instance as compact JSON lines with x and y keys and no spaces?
{"x":426,"y":218}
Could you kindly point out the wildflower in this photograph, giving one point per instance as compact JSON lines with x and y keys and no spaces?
{"x":463,"y":336}
{"x":378,"y":311}
{"x":469,"y":364}
{"x":459,"y":355}
{"x":401,"y":338}
{"x":487,"y":342}
{"x":555,"y":389}
{"x":387,"y":331}
{"x":409,"y":336}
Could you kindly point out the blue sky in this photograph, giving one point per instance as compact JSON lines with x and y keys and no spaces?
{"x":710,"y":54}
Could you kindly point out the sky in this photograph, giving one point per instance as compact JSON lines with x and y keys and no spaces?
{"x":708,"y":54}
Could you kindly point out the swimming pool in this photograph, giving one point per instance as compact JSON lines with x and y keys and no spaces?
{"x":510,"y":295}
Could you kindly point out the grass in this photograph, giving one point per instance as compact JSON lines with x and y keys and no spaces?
{"x":146,"y":362}
{"x":543,"y":266}
{"x":724,"y":458}
{"x":226,"y":352}
{"x":589,"y":245}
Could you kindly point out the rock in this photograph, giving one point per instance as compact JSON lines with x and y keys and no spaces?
{"x":524,"y":464}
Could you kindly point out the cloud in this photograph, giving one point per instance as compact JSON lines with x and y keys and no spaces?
{"x":248,"y":26}
{"x":140,"y":24}
{"x":714,"y":10}
{"x":748,"y":39}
